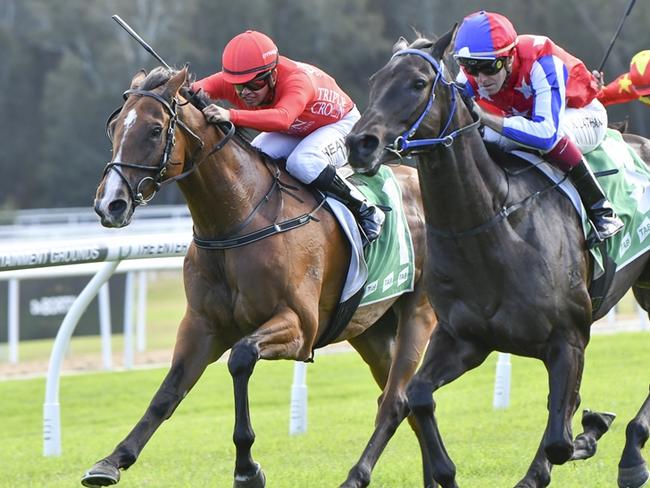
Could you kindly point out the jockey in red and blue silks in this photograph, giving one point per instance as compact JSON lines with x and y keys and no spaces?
{"x":301,"y":112}
{"x":531,"y":93}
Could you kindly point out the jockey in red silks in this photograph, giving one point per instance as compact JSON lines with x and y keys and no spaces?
{"x":633,"y":85}
{"x":302,"y":114}
{"x":531,"y":93}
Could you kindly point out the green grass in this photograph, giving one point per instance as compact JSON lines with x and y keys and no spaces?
{"x":194,"y":448}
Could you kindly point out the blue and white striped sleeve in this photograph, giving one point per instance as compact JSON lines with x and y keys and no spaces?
{"x":461,"y":80}
{"x":548,"y":83}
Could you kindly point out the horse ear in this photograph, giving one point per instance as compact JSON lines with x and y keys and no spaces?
{"x":400,"y":44}
{"x":444,"y":43}
{"x":137,"y":79}
{"x":448,"y":60}
{"x":175,"y":83}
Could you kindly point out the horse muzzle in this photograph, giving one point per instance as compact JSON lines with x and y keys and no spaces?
{"x":114,"y":214}
{"x":363,"y":152}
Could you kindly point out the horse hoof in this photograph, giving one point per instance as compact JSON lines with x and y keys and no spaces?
{"x":358,"y":477}
{"x":634,"y":477}
{"x":102,"y":473}
{"x":559,"y":452}
{"x":258,"y":480}
{"x":597,"y":422}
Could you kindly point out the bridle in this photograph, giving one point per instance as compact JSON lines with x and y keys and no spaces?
{"x":160,"y":170}
{"x":232,"y":240}
{"x":403,"y":143}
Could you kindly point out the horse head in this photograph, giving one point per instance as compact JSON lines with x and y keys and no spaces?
{"x":146,"y":149}
{"x":401,"y":105}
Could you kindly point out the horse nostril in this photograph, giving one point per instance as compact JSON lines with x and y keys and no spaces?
{"x":369,"y":143}
{"x":117,"y":207}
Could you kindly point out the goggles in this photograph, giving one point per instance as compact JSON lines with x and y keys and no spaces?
{"x":488,"y":67}
{"x":256,"y":84}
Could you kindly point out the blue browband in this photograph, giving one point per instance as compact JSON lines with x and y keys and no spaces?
{"x":403,"y":142}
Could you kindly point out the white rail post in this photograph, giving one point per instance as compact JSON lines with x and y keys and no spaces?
{"x":611,"y":316}
{"x":502,"y":382}
{"x":128,"y":321}
{"x":298,"y":411}
{"x":51,"y":407}
{"x":141,"y":325}
{"x":13,"y":310}
{"x":643,"y":317}
{"x":105,"y":326}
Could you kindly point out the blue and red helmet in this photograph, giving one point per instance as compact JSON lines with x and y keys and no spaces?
{"x":485,"y":35}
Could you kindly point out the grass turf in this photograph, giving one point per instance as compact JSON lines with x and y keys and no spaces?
{"x":194,"y":448}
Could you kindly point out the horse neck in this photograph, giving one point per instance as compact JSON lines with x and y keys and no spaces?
{"x":462,"y":186}
{"x":225,"y":188}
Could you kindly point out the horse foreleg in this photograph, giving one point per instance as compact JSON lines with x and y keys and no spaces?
{"x":446,"y":359}
{"x":194,"y":350}
{"x":277,"y":338}
{"x":632,"y":469}
{"x":564,"y":363}
{"x":539,"y":471}
{"x":392,"y":369}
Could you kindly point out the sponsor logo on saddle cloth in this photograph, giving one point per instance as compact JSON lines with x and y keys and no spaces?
{"x":628,"y":189}
{"x":389,"y":259}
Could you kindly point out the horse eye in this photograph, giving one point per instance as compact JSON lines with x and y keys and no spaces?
{"x":156,"y":131}
{"x":419,"y":84}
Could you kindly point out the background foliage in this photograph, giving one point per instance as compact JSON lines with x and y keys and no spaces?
{"x":66,"y":63}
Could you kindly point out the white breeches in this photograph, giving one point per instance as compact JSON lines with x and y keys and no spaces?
{"x":308,"y":156}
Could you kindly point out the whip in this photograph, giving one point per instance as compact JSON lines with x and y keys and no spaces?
{"x":142,"y":42}
{"x":618,"y":31}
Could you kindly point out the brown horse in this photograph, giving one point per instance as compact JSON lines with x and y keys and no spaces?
{"x":266,"y":293}
{"x":511,"y":269}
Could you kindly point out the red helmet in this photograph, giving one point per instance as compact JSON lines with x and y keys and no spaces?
{"x":640,"y":72}
{"x":247,"y":55}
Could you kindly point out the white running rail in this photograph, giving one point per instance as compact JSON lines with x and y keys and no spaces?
{"x":57,"y":253}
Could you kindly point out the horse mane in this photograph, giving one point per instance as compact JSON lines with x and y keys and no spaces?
{"x":201,"y":99}
{"x":161,"y":75}
{"x":421,"y":43}
{"x":157,"y":77}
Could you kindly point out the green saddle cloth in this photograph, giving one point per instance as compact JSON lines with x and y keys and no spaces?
{"x":629,"y":192}
{"x":390,"y":257}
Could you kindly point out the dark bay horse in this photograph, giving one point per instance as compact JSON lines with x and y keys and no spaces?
{"x":511,"y":270}
{"x":263,"y":298}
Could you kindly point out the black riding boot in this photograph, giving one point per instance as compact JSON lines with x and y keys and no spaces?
{"x":599,"y":209}
{"x":370,"y":217}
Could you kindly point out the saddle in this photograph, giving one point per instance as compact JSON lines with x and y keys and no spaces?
{"x":625,"y":179}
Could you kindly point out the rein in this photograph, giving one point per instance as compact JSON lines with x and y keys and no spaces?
{"x":404,"y":143}
{"x":157,"y":180}
{"x":231,"y":240}
{"x":503,"y":213}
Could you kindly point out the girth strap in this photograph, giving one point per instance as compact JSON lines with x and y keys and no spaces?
{"x":258,"y":235}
